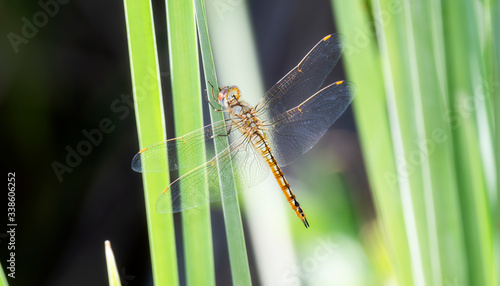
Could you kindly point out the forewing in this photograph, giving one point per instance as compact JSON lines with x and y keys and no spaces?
{"x":188,"y":147}
{"x":190,"y":190}
{"x":305,"y":79}
{"x":294,"y":132}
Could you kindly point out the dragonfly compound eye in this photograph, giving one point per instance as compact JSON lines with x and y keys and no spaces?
{"x":223,"y":93}
{"x":234,"y":92}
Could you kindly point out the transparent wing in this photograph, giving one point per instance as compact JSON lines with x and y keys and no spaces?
{"x":305,"y":79}
{"x":153,"y":158}
{"x":295,"y":132}
{"x":188,"y":190}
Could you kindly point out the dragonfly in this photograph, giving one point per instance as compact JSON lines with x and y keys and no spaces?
{"x":287,"y":122}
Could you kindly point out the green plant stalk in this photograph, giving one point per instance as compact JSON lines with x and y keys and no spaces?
{"x":188,"y":116}
{"x":113,"y":275}
{"x":240,"y":270}
{"x":394,"y":54}
{"x":441,"y":207}
{"x":495,"y":93}
{"x":151,"y":129}
{"x":364,"y":68}
{"x":464,"y":67}
{"x":3,"y":278}
{"x":235,"y":55}
{"x":432,"y":64}
{"x":480,"y":30}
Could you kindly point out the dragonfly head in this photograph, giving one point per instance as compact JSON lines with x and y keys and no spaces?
{"x":229,"y":94}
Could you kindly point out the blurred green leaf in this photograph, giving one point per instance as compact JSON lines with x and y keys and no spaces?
{"x":435,"y":114}
{"x":364,"y":67}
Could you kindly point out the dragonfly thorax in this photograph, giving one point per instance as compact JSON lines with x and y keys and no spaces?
{"x":243,"y":114}
{"x":245,"y":117}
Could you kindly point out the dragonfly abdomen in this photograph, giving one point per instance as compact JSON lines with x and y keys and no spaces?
{"x":261,"y":145}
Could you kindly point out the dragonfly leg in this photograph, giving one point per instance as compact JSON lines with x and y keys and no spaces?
{"x":214,"y":99}
{"x":211,"y":105}
{"x":223,"y":135}
{"x":213,"y":95}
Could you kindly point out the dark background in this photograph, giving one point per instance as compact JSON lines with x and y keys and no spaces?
{"x":72,"y":74}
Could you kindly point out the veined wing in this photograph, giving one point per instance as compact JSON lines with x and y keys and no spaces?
{"x":305,"y":79}
{"x":294,"y":132}
{"x":187,"y":147}
{"x":189,"y":190}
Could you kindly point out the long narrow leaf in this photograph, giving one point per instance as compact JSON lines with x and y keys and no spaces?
{"x":382,"y":147}
{"x":113,"y":275}
{"x":495,"y":94}
{"x":3,"y":278}
{"x":151,"y":129}
{"x":436,"y":60}
{"x":234,"y":230}
{"x":188,"y":115}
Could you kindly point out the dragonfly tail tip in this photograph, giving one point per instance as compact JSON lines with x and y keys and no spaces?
{"x":306,"y":224}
